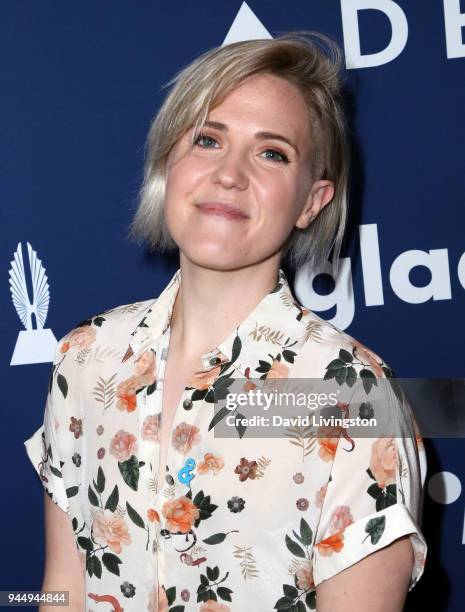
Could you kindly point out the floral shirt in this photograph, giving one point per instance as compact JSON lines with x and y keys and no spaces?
{"x":239,"y":523}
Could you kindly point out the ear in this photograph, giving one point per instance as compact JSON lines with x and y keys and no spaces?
{"x":320,"y":194}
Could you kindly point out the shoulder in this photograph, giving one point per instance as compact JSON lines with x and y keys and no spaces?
{"x":333,"y":349}
{"x":106,"y":333}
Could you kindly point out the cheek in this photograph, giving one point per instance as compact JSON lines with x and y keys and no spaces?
{"x":182,"y":178}
{"x":278,"y":200}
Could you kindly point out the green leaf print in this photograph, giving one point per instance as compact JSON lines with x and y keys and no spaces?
{"x":112,"y":501}
{"x":85,"y":543}
{"x":213,"y":573}
{"x":111,"y":561}
{"x":219,"y":416}
{"x":290,"y":591}
{"x":236,"y":349}
{"x":336,"y":364}
{"x":374,"y":490}
{"x":345,"y":356}
{"x":221,"y":386}
{"x":199,"y":394}
{"x":171,"y":595}
{"x":205,"y":589}
{"x":368,"y":379}
{"x":216,"y":538}
{"x":94,"y":566}
{"x":224,"y":593}
{"x":341,"y":376}
{"x":284,"y":603}
{"x":388,"y":498}
{"x":55,"y":472}
{"x":71,"y":491}
{"x":97,"y":566}
{"x":100,"y":486}
{"x":92,"y":497}
{"x":351,"y":376}
{"x":135,"y":516}
{"x":62,"y":384}
{"x":375,"y":528}
{"x":130,"y":471}
{"x":289,"y":355}
{"x":306,"y":533}
{"x":310,"y":600}
{"x":241,"y":429}
{"x":264,"y":366}
{"x":294,"y":548}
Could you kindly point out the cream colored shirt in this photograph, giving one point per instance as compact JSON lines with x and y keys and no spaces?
{"x":240,"y":523}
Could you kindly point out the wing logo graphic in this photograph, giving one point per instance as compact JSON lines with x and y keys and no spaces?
{"x":35,"y":344}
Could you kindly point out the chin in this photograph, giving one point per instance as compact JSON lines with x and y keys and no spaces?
{"x":214,"y":256}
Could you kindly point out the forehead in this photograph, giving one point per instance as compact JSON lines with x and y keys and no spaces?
{"x":265,"y":101}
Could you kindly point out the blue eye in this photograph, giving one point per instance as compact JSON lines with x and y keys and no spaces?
{"x":201,"y":137}
{"x":282,"y":158}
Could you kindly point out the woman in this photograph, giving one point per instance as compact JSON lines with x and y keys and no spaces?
{"x":246,"y":168}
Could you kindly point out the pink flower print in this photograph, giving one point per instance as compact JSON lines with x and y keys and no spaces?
{"x":123,"y":445}
{"x":341,"y":518}
{"x":82,"y":337}
{"x":278,"y":370}
{"x":110,"y":530}
{"x":185,"y":436}
{"x":126,"y":394}
{"x":320,"y":495}
{"x":304,"y":575}
{"x":302,"y":503}
{"x":144,"y":369}
{"x":76,"y":427}
{"x":383,"y":462}
{"x":151,"y":428}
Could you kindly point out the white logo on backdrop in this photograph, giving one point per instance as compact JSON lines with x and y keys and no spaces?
{"x":34,"y":344}
{"x":247,"y":26}
{"x":435,"y":261}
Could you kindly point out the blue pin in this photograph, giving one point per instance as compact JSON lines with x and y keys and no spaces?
{"x":184,"y":474}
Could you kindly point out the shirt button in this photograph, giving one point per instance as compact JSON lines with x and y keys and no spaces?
{"x":187,"y":404}
{"x":169,"y":479}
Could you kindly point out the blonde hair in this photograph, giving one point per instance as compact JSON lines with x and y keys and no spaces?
{"x":309,"y":60}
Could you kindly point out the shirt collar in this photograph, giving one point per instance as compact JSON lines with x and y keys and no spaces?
{"x":273,"y":325}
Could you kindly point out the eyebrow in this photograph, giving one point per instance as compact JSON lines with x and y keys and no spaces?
{"x":259,"y":135}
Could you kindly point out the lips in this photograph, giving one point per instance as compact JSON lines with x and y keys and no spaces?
{"x":222,"y":209}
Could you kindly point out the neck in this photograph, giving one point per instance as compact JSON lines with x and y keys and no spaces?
{"x":211,"y":303}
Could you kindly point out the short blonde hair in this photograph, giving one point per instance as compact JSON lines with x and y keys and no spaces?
{"x":309,"y":60}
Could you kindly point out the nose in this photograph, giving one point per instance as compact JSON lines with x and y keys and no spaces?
{"x":231,"y":170}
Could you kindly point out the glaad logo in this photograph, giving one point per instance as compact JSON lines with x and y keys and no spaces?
{"x":435,"y":261}
{"x":34,"y":345}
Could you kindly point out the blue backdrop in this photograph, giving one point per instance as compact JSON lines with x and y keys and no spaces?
{"x":80,"y":84}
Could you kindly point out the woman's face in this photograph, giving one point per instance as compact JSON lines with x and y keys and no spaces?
{"x":254,"y":155}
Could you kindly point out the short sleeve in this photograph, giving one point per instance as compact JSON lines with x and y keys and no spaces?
{"x":375,"y":491}
{"x":43,"y":447}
